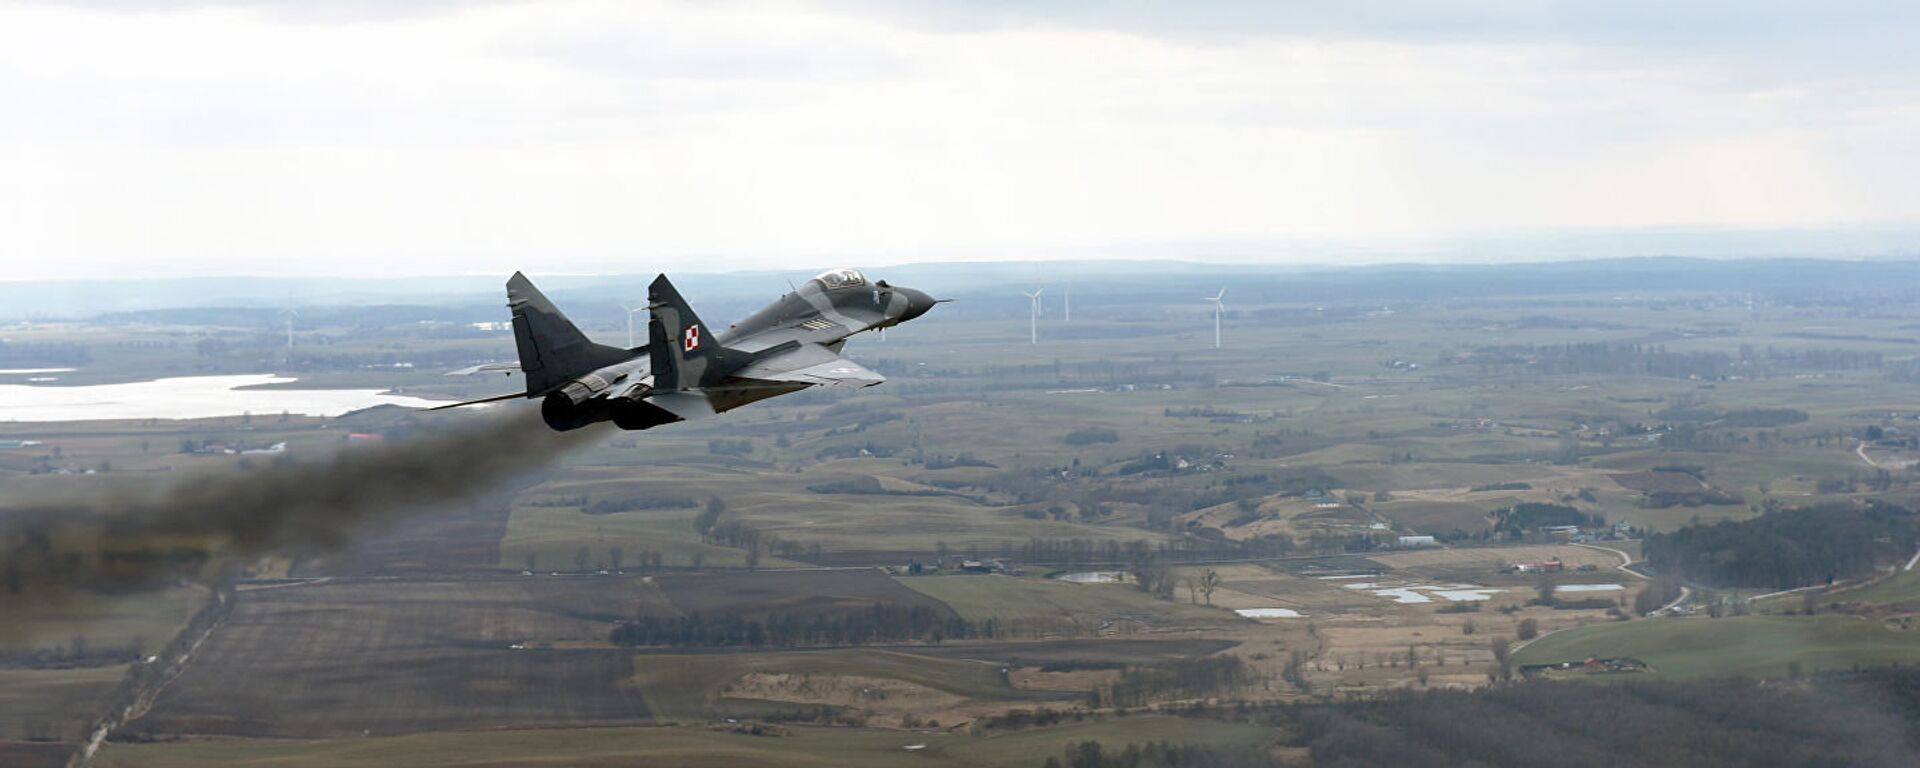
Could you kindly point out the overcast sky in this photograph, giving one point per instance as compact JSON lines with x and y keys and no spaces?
{"x":150,"y":137}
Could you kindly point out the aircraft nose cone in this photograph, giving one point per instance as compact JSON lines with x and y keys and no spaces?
{"x":918,"y":302}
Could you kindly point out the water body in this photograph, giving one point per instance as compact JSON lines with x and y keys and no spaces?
{"x":1475,"y":595}
{"x":1588,"y":588}
{"x":1093,"y":577}
{"x":1269,"y":613}
{"x":188,"y":397}
{"x":1403,"y":595}
{"x":1411,"y":593}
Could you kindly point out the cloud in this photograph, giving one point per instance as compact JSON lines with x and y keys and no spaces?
{"x":587,"y":135}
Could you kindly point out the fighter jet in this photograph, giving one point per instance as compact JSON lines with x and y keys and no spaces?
{"x":687,"y":371}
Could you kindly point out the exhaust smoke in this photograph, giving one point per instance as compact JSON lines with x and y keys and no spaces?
{"x":123,"y":541}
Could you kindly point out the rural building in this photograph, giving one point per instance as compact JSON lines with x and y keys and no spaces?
{"x":1550,"y":566}
{"x":1321,"y":500}
{"x":1413,"y":542}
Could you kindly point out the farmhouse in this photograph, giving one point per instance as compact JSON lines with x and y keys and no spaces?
{"x":1321,"y":500}
{"x":1415,"y":542}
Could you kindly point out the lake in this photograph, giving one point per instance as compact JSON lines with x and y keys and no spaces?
{"x":187,"y":397}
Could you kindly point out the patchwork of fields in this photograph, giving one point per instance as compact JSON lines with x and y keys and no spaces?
{"x":1211,"y":482}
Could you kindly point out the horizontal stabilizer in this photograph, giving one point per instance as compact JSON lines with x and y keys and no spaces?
{"x":686,"y":404}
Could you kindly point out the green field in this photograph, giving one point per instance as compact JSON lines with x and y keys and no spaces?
{"x":1901,"y":589}
{"x":1735,"y":645}
{"x":695,"y":748}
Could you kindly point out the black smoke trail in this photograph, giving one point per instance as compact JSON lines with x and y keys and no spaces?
{"x":128,"y":541}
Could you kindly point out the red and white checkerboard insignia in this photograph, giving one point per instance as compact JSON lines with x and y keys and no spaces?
{"x":690,"y":340}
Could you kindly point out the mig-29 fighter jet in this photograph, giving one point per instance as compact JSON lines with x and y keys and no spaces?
{"x":686,"y":371}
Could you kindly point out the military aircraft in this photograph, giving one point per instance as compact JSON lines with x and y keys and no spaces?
{"x":685,"y":371}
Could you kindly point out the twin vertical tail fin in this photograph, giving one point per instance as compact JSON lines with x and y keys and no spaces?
{"x":552,"y":351}
{"x":683,"y":353}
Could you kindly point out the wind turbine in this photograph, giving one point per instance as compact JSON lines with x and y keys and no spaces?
{"x":630,"y":312}
{"x":1219,"y":307}
{"x":1033,"y":315}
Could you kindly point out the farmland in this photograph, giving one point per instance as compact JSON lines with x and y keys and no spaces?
{"x":805,"y":746}
{"x":429,"y":657}
{"x":1767,"y":646}
{"x":484,"y":629}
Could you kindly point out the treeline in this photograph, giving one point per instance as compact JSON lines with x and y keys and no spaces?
{"x":1161,"y":754}
{"x":1077,"y":552}
{"x":1862,"y":718}
{"x":1515,"y":521}
{"x":1179,"y":679}
{"x":1847,"y":719}
{"x":879,"y":623}
{"x":14,"y":354}
{"x":611,"y":506}
{"x":76,"y":654}
{"x":1091,"y":436}
{"x":1789,"y":548}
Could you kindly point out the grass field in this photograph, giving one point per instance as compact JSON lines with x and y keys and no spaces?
{"x":391,"y":658}
{"x":1736,"y":645}
{"x":808,"y":592}
{"x":103,"y":621}
{"x":1063,"y":607}
{"x":55,"y":703}
{"x":692,"y":748}
{"x":1901,"y":589}
{"x":688,"y":687}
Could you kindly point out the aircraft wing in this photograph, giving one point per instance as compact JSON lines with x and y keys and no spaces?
{"x":810,"y":364}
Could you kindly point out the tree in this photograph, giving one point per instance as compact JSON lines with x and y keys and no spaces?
{"x":614,"y":555}
{"x":1546,"y":586}
{"x":753,"y":554}
{"x":1529,"y":629}
{"x":1502,"y":657}
{"x":1209,"y":582}
{"x":1193,"y":590}
{"x":699,"y":557}
{"x":581,"y":557}
{"x":709,"y":517}
{"x":532,"y":560}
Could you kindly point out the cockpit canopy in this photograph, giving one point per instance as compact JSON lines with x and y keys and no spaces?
{"x":841,"y":278}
